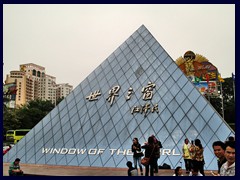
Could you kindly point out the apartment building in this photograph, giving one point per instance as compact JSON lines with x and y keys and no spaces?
{"x":32,"y":82}
{"x":63,"y":90}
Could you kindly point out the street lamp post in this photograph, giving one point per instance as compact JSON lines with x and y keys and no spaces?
{"x":222,"y":99}
{"x":234,"y":90}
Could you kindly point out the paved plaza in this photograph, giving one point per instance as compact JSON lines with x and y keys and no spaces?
{"x":48,"y":170}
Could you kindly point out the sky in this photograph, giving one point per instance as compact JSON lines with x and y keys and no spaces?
{"x":71,"y":40}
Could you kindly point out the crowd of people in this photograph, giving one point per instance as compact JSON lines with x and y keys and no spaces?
{"x":152,"y":151}
{"x":192,"y":153}
{"x":194,"y":158}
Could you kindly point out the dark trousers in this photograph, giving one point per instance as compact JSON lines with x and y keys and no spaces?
{"x":188,"y":164}
{"x":200,"y":166}
{"x":151,"y":165}
{"x":16,"y":174}
{"x":156,"y":165}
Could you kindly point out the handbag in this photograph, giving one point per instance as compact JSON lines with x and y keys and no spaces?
{"x":139,"y":153}
{"x":145,"y":161}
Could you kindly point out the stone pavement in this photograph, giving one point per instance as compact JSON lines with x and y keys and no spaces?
{"x":48,"y":170}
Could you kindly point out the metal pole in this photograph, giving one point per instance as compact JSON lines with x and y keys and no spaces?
{"x":222,"y":100}
{"x":233,"y":89}
{"x":208,"y":96}
{"x":208,"y":92}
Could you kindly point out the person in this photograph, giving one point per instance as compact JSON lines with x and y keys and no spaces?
{"x":137,"y":154}
{"x":195,"y":172}
{"x":231,"y":138}
{"x":131,"y":170}
{"x":198,"y":158}
{"x":158,"y":145}
{"x":186,"y":155}
{"x":192,"y":153}
{"x":219,"y":151}
{"x":150,"y":153}
{"x":14,"y":168}
{"x":228,"y":168}
{"x":178,"y":171}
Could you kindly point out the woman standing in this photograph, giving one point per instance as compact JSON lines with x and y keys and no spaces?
{"x":150,"y":152}
{"x":198,"y":159}
{"x":137,"y":154}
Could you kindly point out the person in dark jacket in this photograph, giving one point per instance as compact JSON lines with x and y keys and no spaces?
{"x":150,"y":151}
{"x":137,"y":154}
{"x":158,"y":145}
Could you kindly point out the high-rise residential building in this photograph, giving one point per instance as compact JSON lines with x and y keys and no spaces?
{"x":63,"y":90}
{"x":32,"y":82}
{"x":47,"y":88}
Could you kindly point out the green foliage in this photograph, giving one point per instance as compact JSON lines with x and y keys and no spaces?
{"x":228,"y":102}
{"x":27,"y":116}
{"x":228,"y":99}
{"x":59,"y":100}
{"x":10,"y":119}
{"x":216,"y":103}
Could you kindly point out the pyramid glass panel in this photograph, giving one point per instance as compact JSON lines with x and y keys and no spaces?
{"x":136,"y":92}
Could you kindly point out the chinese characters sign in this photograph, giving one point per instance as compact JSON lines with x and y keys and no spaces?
{"x":147,"y":94}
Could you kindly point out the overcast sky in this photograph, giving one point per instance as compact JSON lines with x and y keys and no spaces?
{"x":70,"y":41}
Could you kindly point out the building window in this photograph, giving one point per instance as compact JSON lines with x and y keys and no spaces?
{"x":38,"y":74}
{"x":34,"y":72}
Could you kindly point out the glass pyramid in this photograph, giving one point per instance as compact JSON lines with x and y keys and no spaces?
{"x":136,"y":92}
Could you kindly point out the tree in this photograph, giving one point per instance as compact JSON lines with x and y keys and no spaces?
{"x":9,"y":116}
{"x":10,"y":120}
{"x":27,"y":116}
{"x":228,"y":102}
{"x":33,"y":112}
{"x":216,"y":102}
{"x":59,"y":100}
